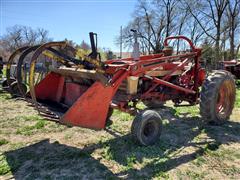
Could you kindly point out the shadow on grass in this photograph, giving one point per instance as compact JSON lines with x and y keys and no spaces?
{"x":54,"y":160}
{"x":47,"y":160}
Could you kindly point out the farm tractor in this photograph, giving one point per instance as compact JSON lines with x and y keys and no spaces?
{"x":232,"y":66}
{"x":84,"y":92}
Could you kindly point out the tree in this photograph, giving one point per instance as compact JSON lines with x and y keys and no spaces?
{"x":110,"y":55}
{"x":208,"y":54}
{"x":212,"y":24}
{"x":85,"y":46}
{"x":18,"y":36}
{"x":3,"y":52}
{"x":169,"y":9}
{"x":153,"y":20}
{"x":233,"y":17}
{"x":209,"y":14}
{"x":194,"y":31}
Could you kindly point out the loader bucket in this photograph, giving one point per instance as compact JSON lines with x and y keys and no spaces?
{"x":85,"y":106}
{"x":73,"y":96}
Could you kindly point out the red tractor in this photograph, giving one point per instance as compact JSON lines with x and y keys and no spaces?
{"x":84,"y":92}
{"x":232,"y":66}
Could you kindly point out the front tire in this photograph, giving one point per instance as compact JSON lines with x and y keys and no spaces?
{"x":147,"y":127}
{"x":217,"y":97}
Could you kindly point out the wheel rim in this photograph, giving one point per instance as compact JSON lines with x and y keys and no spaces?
{"x":225,"y":100}
{"x":150,"y":130}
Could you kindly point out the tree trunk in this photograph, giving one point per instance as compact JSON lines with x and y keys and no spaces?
{"x":232,"y":34}
{"x":217,"y":47}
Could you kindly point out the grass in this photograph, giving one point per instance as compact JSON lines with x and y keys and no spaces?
{"x":4,"y":166}
{"x":122,"y":115}
{"x":5,"y":97}
{"x":3,"y":141}
{"x":194,"y":175}
{"x":238,"y":96}
{"x":31,"y":147}
{"x":186,"y":111}
{"x":30,"y":130}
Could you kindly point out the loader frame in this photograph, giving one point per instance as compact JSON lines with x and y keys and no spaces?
{"x":104,"y":93}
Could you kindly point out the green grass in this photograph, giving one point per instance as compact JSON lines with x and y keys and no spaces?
{"x":4,"y":166}
{"x":29,"y":118}
{"x":122,"y":115}
{"x":131,"y":160}
{"x":199,"y":161}
{"x":5,"y":96}
{"x":30,"y":130}
{"x":194,"y":175}
{"x":3,"y":142}
{"x":186,"y":111}
{"x":238,"y":97}
{"x":183,"y":150}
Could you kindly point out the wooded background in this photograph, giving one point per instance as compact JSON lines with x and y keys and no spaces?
{"x":213,"y":25}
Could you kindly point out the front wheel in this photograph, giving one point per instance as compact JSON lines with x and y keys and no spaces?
{"x":147,"y":127}
{"x":217,"y":97}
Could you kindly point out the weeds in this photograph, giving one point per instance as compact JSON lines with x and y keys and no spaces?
{"x":5,"y":96}
{"x":194,"y":175}
{"x":186,"y":111}
{"x":131,"y":160}
{"x":183,"y":150}
{"x":238,"y":98}
{"x":3,"y":141}
{"x":199,"y":161}
{"x":122,"y":115}
{"x":30,"y":130}
{"x":4,"y":167}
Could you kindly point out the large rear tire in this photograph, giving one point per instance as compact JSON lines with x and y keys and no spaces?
{"x":217,"y":97}
{"x":147,"y":127}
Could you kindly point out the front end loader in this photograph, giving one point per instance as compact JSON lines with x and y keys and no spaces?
{"x":83,"y":92}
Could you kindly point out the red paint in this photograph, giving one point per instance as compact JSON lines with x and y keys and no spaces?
{"x":73,"y":92}
{"x":89,"y":105}
{"x":180,"y":37}
{"x":50,"y":88}
{"x":201,"y":76}
{"x":90,"y":110}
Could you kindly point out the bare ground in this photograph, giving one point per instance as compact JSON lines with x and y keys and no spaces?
{"x":32,"y":148}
